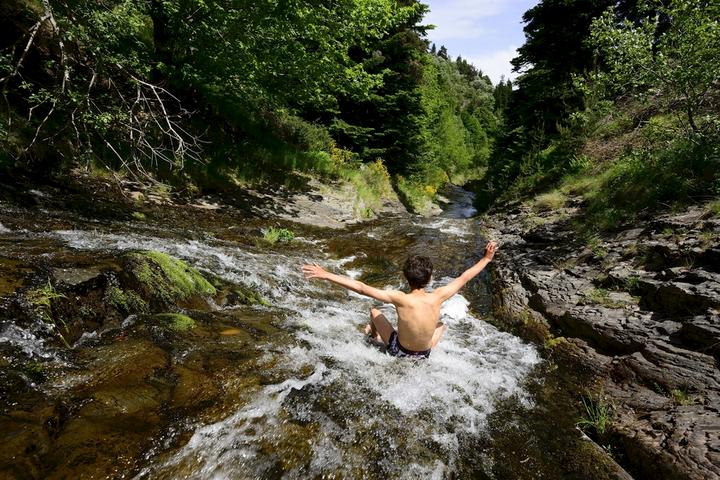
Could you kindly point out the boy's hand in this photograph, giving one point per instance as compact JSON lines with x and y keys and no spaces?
{"x":490,"y":250}
{"x":314,"y":271}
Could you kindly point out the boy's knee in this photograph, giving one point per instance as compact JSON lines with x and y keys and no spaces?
{"x":374,"y":312}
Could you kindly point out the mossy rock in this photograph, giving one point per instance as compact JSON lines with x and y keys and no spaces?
{"x":174,"y":321}
{"x":163,"y":279}
{"x":247,"y":296}
{"x":127,"y":302}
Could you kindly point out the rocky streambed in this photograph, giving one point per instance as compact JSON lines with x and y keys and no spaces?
{"x":638,"y":311}
{"x":142,"y":336}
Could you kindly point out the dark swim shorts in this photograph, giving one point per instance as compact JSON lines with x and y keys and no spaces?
{"x":396,"y":350}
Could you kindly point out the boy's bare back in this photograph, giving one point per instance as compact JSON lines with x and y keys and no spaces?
{"x":418,"y":311}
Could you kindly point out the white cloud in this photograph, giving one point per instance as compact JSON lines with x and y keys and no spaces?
{"x":497,"y":63}
{"x":461,"y":18}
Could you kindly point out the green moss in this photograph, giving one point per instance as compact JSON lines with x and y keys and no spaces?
{"x":41,"y":299}
{"x":125,"y":301}
{"x":138,"y":216}
{"x":249,"y":296}
{"x":161,"y":276}
{"x":36,"y":371}
{"x":553,"y":342}
{"x":175,"y":321}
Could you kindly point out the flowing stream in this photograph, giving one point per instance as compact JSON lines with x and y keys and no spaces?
{"x":330,"y":403}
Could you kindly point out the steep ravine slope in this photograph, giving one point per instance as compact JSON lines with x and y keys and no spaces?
{"x":638,"y":308}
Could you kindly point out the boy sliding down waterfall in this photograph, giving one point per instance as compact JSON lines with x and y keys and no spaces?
{"x":419,"y":329}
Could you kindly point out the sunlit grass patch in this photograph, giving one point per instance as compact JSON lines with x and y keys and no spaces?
{"x":274,"y":235}
{"x":601,"y":296}
{"x":713,"y":208}
{"x":549,"y":201}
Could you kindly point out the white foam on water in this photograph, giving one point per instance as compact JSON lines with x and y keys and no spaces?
{"x":30,"y":344}
{"x":451,"y":394}
{"x":38,"y":193}
{"x":4,"y":229}
{"x":448,"y":226}
{"x":353,"y":273}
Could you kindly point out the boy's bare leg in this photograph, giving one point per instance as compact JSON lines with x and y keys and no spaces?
{"x":379,"y":328}
{"x":440,"y":329}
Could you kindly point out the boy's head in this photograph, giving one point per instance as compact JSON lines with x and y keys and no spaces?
{"x":417,"y":270}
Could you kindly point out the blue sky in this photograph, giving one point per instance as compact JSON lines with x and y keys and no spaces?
{"x":485,"y":32}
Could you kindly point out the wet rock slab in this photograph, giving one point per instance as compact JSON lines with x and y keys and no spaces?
{"x":641,"y":308}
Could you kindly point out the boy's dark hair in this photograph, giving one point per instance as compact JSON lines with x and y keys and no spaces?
{"x":417,"y":271}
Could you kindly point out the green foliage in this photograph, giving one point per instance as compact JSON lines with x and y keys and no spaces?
{"x":552,"y":343}
{"x":596,"y":246}
{"x":371,"y":182}
{"x":681,"y":396}
{"x":273,"y":235}
{"x":42,"y":298}
{"x":554,"y":50}
{"x":36,"y":371}
{"x":131,"y":87}
{"x":458,"y":109}
{"x":645,"y":180}
{"x":417,"y":192}
{"x":632,"y":284}
{"x":671,"y":54}
{"x":713,"y":208}
{"x":598,"y":414}
{"x":601,"y":296}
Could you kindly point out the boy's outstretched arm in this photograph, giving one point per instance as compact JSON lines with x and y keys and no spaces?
{"x":316,"y":271}
{"x":453,"y":287}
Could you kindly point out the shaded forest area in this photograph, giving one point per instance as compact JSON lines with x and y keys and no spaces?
{"x":616,"y":101}
{"x":215,"y":92}
{"x":617,"y":104}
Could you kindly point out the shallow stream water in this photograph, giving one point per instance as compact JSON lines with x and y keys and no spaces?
{"x":295,"y":390}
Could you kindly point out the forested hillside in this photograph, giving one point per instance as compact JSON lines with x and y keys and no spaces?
{"x":213,"y":91}
{"x":617,"y":103}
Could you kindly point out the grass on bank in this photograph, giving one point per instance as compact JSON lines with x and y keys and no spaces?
{"x":550,"y":201}
{"x":597,"y":415}
{"x":650,"y":167}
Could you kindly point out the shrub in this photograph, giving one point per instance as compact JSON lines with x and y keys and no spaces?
{"x":274,"y":235}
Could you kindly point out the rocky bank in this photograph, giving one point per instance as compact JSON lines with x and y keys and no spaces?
{"x":639,"y":310}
